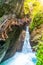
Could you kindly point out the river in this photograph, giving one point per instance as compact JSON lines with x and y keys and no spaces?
{"x":25,"y":57}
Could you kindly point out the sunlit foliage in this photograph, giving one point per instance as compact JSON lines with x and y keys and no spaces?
{"x":32,"y":6}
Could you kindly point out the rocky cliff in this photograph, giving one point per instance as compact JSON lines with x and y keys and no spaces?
{"x":36,"y":29}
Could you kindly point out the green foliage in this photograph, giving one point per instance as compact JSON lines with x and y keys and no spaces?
{"x":37,"y":20}
{"x":1,"y":11}
{"x":39,"y":53}
{"x":12,"y":7}
{"x":31,"y":26}
{"x":32,"y":6}
{"x":5,"y":9}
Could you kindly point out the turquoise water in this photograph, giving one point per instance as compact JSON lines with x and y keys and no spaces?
{"x":25,"y":57}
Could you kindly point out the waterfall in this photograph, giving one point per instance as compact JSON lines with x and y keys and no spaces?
{"x":25,"y":57}
{"x":26,"y":47}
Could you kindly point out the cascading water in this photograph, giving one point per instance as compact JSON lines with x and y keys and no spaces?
{"x":26,"y":47}
{"x":25,"y":57}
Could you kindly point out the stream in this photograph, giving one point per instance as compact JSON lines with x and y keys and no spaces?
{"x":25,"y":57}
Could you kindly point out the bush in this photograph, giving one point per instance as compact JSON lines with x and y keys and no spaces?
{"x":37,"y":20}
{"x":39,"y":53}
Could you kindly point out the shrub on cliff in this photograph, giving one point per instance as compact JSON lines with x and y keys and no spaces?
{"x":39,"y":53}
{"x":37,"y":21}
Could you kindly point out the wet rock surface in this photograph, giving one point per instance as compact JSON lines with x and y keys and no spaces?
{"x":15,"y":47}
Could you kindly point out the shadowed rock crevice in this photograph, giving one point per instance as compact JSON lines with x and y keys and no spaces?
{"x":16,"y":42}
